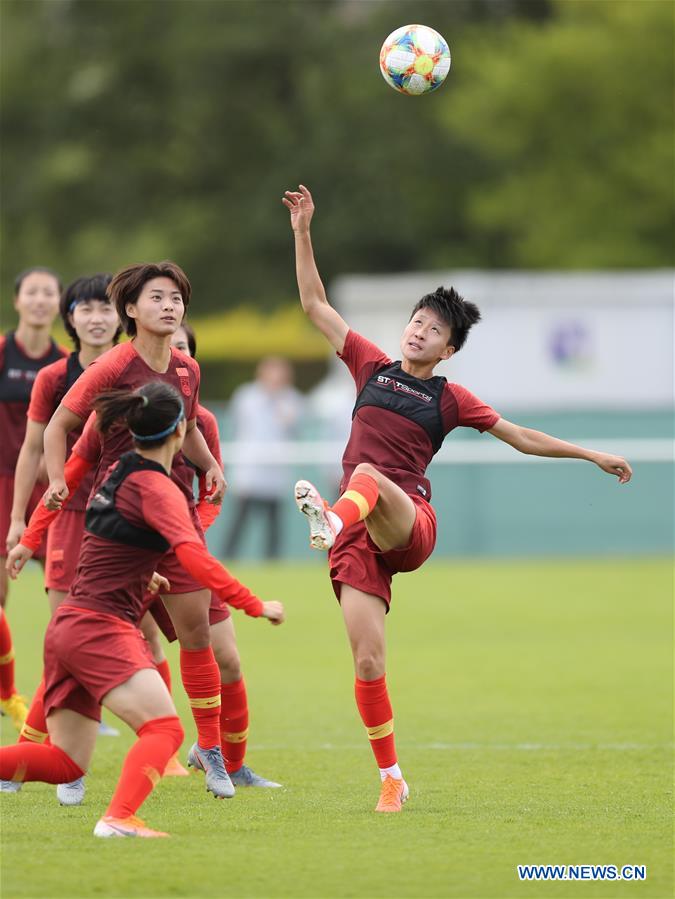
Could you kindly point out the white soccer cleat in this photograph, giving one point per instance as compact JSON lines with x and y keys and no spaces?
{"x":10,"y":786}
{"x":321,"y":529}
{"x":125,"y":827}
{"x":71,"y":793}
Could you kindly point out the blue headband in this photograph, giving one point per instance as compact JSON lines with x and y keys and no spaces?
{"x":146,"y":438}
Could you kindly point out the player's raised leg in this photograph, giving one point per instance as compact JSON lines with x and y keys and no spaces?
{"x":364,"y":617}
{"x":388,"y":511}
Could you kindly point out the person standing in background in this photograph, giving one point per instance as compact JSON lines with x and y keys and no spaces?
{"x":264,"y":411}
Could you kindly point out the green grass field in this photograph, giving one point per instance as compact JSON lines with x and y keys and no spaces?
{"x":533,"y":707}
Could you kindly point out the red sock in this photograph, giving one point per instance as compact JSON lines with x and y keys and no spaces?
{"x":34,"y":729}
{"x":372,"y":700}
{"x":7,"y":686}
{"x":33,"y":761}
{"x":201,"y":679}
{"x":165,"y":672}
{"x":358,"y":500}
{"x":144,"y":765}
{"x":233,"y":723}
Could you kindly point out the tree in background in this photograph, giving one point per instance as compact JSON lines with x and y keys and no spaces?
{"x":572,"y":118}
{"x":140,"y":129}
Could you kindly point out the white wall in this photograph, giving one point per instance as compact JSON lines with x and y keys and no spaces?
{"x":553,"y":340}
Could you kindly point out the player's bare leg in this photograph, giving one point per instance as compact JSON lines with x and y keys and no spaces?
{"x":234,"y":708}
{"x":364,"y":617}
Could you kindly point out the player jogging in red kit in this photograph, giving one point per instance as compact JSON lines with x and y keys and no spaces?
{"x":94,"y":653}
{"x":383,"y":522}
{"x":151,"y":300}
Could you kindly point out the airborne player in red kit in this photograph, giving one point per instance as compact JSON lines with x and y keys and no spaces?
{"x":383,"y":522}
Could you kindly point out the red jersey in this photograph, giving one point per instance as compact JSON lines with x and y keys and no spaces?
{"x":394,"y":443}
{"x":112,"y":577}
{"x":17,"y":375}
{"x":51,"y":385}
{"x":123,"y":368}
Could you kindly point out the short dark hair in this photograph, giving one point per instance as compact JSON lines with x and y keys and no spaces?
{"x":18,"y":281}
{"x":455,"y":311}
{"x":127,"y":284}
{"x":191,"y":339}
{"x":79,"y":291}
{"x":151,"y":409}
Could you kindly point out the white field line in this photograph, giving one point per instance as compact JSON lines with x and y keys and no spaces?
{"x":489,"y":747}
{"x":454,"y":452}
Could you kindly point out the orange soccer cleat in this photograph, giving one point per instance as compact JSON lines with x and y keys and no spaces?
{"x":175,"y":769}
{"x":125,"y":827}
{"x":394,"y":794}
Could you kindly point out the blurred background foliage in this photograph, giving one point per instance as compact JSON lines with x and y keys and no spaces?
{"x":144,"y":129}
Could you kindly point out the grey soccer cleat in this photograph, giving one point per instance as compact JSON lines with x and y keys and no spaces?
{"x":10,"y":786}
{"x":309,"y":501}
{"x":105,"y":730}
{"x":244,"y":777}
{"x":210,"y":761}
{"x":71,"y":793}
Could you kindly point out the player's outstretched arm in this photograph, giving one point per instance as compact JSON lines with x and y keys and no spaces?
{"x":312,"y":293}
{"x":536,"y":443}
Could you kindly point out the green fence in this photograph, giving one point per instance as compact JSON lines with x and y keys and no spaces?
{"x":525,"y":507}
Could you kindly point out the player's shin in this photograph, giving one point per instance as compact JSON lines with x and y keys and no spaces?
{"x":158,"y":740}
{"x":34,"y":728}
{"x":233,"y":724}
{"x":358,"y":500}
{"x":376,"y":713}
{"x":201,"y":678}
{"x":7,"y":687}
{"x":37,"y":762}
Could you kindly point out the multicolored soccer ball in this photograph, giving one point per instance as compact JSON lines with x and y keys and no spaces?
{"x":415,"y":59}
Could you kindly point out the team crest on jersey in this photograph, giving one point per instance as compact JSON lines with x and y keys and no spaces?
{"x":184,"y":376}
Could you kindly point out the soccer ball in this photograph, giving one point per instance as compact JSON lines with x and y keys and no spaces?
{"x":415,"y":59}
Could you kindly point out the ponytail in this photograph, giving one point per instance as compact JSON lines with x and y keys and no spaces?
{"x":152,"y":413}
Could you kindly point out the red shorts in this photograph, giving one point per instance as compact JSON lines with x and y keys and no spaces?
{"x":6,"y":498}
{"x":87,"y":654}
{"x":64,"y":538}
{"x":218,"y":611}
{"x":355,"y":560}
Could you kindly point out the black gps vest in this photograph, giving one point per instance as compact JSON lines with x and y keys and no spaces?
{"x":73,"y":372}
{"x":105,"y":521}
{"x":415,"y":399}
{"x":19,"y":371}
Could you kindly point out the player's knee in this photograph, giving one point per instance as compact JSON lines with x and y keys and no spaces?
{"x":230,"y":667}
{"x":367,"y":468}
{"x":175,"y":733}
{"x":368,"y":665}
{"x":197,"y":636}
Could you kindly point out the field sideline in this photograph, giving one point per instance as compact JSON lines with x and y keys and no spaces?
{"x":534,"y":724}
